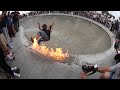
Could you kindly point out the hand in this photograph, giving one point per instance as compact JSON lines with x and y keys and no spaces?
{"x":83,"y":75}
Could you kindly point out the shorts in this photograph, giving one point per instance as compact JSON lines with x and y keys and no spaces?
{"x":43,"y":35}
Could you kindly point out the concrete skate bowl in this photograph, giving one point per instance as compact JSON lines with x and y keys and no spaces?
{"x":83,"y":38}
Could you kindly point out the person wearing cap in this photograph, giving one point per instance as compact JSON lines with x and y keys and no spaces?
{"x":44,"y":33}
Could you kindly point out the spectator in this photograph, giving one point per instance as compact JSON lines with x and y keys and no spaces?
{"x":108,"y":72}
{"x":17,"y":16}
{"x":112,"y":26}
{"x":13,"y":26}
{"x":3,"y":43}
{"x":9,"y":26}
{"x":116,"y":46}
{"x":116,"y":27}
{"x":3,"y":25}
{"x":16,"y":20}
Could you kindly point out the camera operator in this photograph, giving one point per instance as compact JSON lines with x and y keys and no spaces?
{"x":108,"y":72}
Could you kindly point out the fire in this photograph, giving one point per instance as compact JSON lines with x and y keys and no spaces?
{"x":35,"y":44}
{"x":56,"y":54}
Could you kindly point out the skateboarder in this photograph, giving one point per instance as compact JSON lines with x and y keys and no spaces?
{"x":44,"y":34}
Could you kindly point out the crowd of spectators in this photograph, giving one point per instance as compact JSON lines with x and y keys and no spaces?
{"x":100,"y":18}
{"x":9,"y":26}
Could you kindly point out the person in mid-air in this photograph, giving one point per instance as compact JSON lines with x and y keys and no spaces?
{"x":44,"y":33}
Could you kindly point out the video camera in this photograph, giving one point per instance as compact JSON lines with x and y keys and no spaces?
{"x":90,"y":68}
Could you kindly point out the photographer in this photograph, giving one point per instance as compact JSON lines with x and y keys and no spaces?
{"x":108,"y":72}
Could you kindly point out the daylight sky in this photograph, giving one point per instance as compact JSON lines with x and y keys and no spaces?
{"x":114,"y":13}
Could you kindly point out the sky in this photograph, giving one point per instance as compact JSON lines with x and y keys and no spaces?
{"x":114,"y":13}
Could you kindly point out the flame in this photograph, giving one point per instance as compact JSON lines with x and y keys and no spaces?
{"x":35,"y":44}
{"x":56,"y":54}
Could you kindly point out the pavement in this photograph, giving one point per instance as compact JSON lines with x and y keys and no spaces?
{"x":75,"y":35}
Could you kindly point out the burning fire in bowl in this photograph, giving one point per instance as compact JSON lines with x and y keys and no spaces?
{"x":56,"y":54}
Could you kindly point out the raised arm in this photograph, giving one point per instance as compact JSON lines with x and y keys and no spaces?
{"x":39,"y":26}
{"x":50,"y":27}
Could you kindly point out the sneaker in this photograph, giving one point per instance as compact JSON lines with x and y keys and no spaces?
{"x":16,"y":74}
{"x":17,"y":71}
{"x":11,"y":46}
